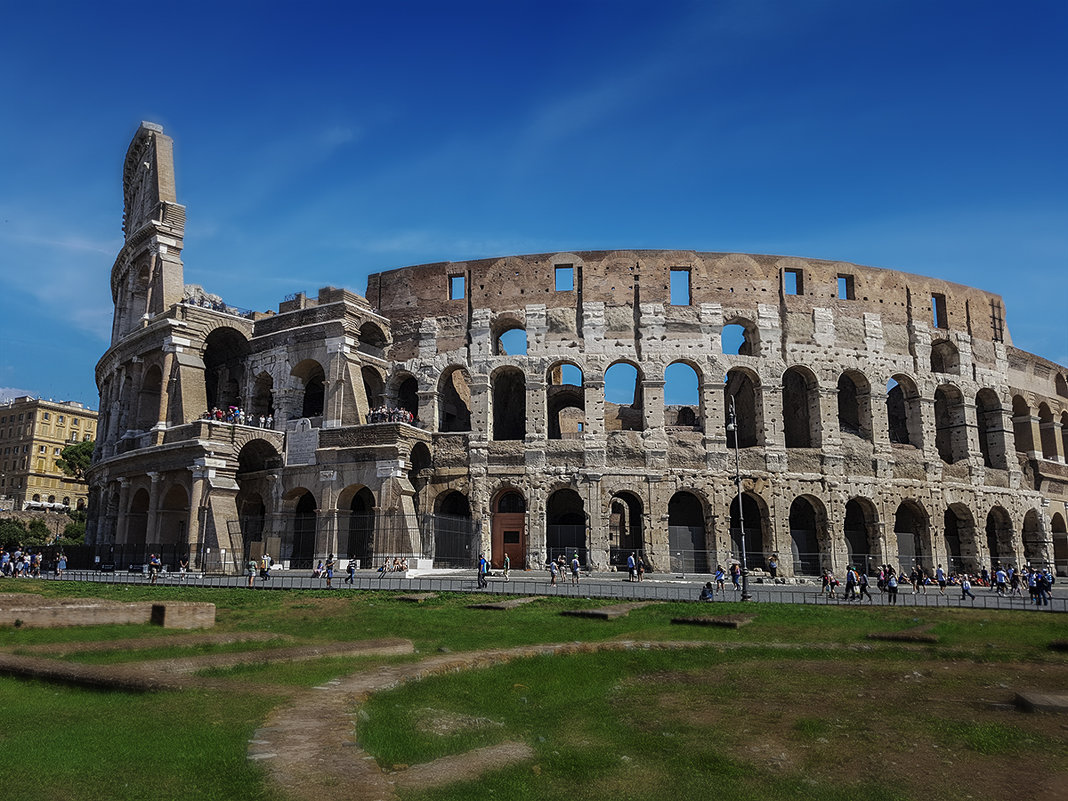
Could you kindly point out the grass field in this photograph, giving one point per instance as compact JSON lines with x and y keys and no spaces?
{"x":798,"y":704}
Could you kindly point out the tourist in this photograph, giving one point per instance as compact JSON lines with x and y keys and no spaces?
{"x":155,"y":565}
{"x":966,"y":588}
{"x":483,"y":569}
{"x":552,"y":572}
{"x":707,"y":592}
{"x":632,"y":568}
{"x":862,"y":586}
{"x":891,"y":586}
{"x":328,"y":569}
{"x":641,"y":568}
{"x":851,"y":584}
{"x":507,"y":565}
{"x":350,"y":571}
{"x":575,"y":569}
{"x":183,"y":568}
{"x":721,"y":578}
{"x":736,"y":576}
{"x":250,"y":571}
{"x":940,"y":577}
{"x":773,"y":565}
{"x":61,"y":564}
{"x":265,"y":566}
{"x":1001,"y":579}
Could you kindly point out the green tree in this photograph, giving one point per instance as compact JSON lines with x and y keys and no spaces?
{"x":76,"y":458}
{"x":12,"y":532}
{"x":38,"y":533}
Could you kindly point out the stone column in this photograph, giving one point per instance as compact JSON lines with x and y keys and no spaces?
{"x":123,"y":510}
{"x":162,"y":416}
{"x":197,"y":512}
{"x":152,"y":524}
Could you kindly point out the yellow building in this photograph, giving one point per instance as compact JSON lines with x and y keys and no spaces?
{"x":33,"y":434}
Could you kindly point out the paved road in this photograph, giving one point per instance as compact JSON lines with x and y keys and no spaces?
{"x":656,"y":586}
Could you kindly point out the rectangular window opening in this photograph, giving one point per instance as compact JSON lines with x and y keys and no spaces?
{"x":565,"y":277}
{"x":845,"y":287}
{"x":938,"y":311}
{"x":456,"y":287}
{"x":793,"y":282}
{"x":680,"y":286}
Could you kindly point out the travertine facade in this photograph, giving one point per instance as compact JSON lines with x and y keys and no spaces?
{"x":880,"y":416}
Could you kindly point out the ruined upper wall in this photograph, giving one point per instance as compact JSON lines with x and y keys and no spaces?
{"x":738,"y":282}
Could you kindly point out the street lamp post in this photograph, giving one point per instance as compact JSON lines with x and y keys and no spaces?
{"x":732,"y":427}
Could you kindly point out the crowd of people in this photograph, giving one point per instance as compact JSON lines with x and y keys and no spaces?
{"x":389,"y":414}
{"x":235,"y":415}
{"x":24,"y":564}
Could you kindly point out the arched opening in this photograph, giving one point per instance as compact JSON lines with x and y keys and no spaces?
{"x":1061,"y":384}
{"x":454,"y":393}
{"x":360,"y":526}
{"x":509,"y":337}
{"x":1060,"y":544}
{"x":565,"y":526}
{"x":741,"y":386}
{"x":682,"y":396}
{"x":255,"y":456}
{"x":174,"y":517}
{"x":137,"y":519}
{"x":1021,"y":425}
{"x":951,"y":432}
{"x":686,"y":534}
{"x":1048,"y":432}
{"x":800,"y":408}
{"x":252,"y":514}
{"x":625,"y":528}
{"x":756,"y":529}
{"x":509,"y":527}
{"x":373,"y":386}
{"x":999,"y":545}
{"x":419,"y":470}
{"x":372,"y":341}
{"x":945,"y":358}
{"x":854,"y":405}
{"x":913,"y":536}
{"x":959,"y":532}
{"x":301,"y":546}
{"x":903,"y":414}
{"x":263,"y":397}
{"x":454,"y":532}
{"x":739,"y":337}
{"x":988,"y":422}
{"x":1034,"y":553}
{"x":861,"y":533}
{"x":509,"y":404}
{"x":565,"y":401}
{"x":406,"y":394}
{"x":1064,"y":434}
{"x":149,"y":398}
{"x":311,"y":375}
{"x":805,"y":536}
{"x":623,"y":398}
{"x":225,"y":351}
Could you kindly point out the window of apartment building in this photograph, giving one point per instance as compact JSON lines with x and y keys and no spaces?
{"x":59,"y":420}
{"x":680,"y":286}
{"x":3,"y":420}
{"x":56,"y":451}
{"x":793,"y":282}
{"x":565,"y":277}
{"x":456,"y":287}
{"x":74,"y":421}
{"x":938,"y":311}
{"x":22,"y":416}
{"x":46,"y":416}
{"x":42,"y":449}
{"x":87,"y":437}
{"x":845,"y":288}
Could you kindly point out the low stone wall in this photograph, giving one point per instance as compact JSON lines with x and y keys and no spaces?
{"x":20,"y":609}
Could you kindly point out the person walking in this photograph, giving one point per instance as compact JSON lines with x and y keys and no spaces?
{"x":940,"y":577}
{"x":350,"y":571}
{"x":862,"y":586}
{"x":250,"y":571}
{"x":891,"y":586}
{"x":575,"y":570}
{"x":483,"y":568}
{"x":155,"y":565}
{"x":966,"y":588}
{"x":552,"y":572}
{"x":632,"y":568}
{"x":507,"y":565}
{"x":328,"y":569}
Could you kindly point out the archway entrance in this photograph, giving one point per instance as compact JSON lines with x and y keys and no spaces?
{"x":565,"y":529}
{"x":454,"y":532}
{"x":686,"y":534}
{"x":625,"y":534}
{"x":1060,"y":545}
{"x":361,"y":528}
{"x":302,"y":550}
{"x":804,"y":542}
{"x":999,"y":538}
{"x":755,"y":528}
{"x":860,"y":533}
{"x":913,"y":546}
{"x":509,"y":530}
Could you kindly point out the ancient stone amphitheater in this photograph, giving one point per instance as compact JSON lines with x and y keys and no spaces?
{"x":604,"y":403}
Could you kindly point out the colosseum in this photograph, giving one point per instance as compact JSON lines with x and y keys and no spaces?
{"x":666,"y":402}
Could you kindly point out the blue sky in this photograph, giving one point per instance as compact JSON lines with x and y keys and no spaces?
{"x":318,"y":142}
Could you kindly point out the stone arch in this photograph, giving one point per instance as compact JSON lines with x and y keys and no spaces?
{"x":757,"y":528}
{"x":454,"y":531}
{"x":174,"y":516}
{"x":298,"y":540}
{"x":903,"y":411}
{"x":862,"y":533}
{"x":951,"y":430}
{"x":740,"y":336}
{"x":251,"y":514}
{"x":854,"y":404}
{"x":312,"y":378}
{"x":225,"y":352}
{"x":372,"y":340}
{"x":420,"y":467}
{"x":509,"y":399}
{"x":255,"y":456}
{"x":148,"y":399}
{"x":682,"y":395}
{"x":800,"y":408}
{"x":945,"y":358}
{"x":1000,"y":547}
{"x":623,"y":397}
{"x":1060,"y":544}
{"x":1064,"y":434}
{"x":509,"y":335}
{"x":741,"y":384}
{"x":454,"y":397}
{"x":509,"y":527}
{"x":373,"y":386}
{"x":1047,"y":432}
{"x":137,"y":518}
{"x":356,"y":517}
{"x":566,"y":525}
{"x":988,"y":418}
{"x":913,"y":533}
{"x":1021,"y":425}
{"x":626,"y":527}
{"x":960,"y":539}
{"x":262,"y":404}
{"x":687,"y":540}
{"x":1061,"y":385}
{"x":809,"y":535}
{"x":403,"y":393}
{"x":1033,"y":546}
{"x":563,"y":394}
